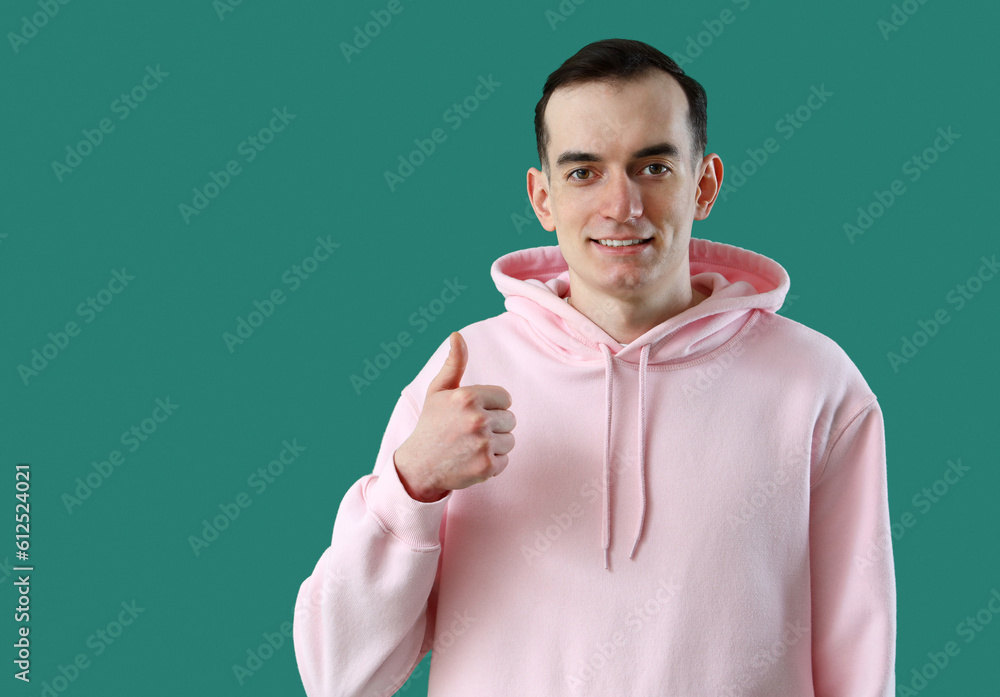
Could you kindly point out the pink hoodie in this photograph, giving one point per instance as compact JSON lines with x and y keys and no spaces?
{"x":702,"y":512}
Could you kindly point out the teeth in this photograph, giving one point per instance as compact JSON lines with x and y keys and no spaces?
{"x":619,"y":243}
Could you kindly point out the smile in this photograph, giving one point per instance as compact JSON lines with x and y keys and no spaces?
{"x":621,"y":243}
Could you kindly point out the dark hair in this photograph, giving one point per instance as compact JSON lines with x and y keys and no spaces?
{"x":622,"y":60}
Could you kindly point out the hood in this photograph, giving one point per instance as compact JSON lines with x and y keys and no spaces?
{"x":738,"y":282}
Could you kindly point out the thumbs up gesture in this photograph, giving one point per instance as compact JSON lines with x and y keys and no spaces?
{"x":463,"y":434}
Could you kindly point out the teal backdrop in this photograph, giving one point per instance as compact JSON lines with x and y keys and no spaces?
{"x":199,"y":247}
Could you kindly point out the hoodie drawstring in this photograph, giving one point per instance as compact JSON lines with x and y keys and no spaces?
{"x":606,"y":534}
{"x":608,"y":386}
{"x":643,"y":361}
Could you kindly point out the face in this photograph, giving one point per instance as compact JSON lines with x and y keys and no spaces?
{"x":620,"y":158}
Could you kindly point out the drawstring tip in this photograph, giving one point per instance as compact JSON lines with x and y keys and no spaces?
{"x":634,"y":546}
{"x":605,"y":557}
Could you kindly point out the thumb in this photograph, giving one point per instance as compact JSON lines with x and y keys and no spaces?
{"x":450,"y":376}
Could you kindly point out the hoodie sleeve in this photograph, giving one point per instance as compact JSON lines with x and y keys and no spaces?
{"x":853,"y":578}
{"x":364,"y":618}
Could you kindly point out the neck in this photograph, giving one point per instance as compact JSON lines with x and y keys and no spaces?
{"x":626,"y":318}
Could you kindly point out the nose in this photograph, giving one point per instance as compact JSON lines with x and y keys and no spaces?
{"x":621,"y":198}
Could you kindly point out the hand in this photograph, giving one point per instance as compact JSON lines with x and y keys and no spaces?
{"x":463,"y":434}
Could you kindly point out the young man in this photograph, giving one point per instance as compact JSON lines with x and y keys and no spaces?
{"x":696,"y":501}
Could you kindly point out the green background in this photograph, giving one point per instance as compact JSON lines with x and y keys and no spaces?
{"x":323,"y":175}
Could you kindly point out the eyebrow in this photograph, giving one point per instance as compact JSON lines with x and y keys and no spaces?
{"x":659,"y":149}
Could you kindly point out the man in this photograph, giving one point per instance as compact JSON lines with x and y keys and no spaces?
{"x":696,"y":502}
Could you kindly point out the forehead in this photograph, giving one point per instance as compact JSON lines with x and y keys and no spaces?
{"x":599,"y":116}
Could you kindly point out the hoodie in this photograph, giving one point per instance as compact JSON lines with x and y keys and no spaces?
{"x":700,"y":512}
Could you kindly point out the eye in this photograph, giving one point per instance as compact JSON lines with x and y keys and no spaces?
{"x":663,"y":168}
{"x":587,"y":171}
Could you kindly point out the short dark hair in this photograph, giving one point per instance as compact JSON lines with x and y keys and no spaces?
{"x":622,"y":60}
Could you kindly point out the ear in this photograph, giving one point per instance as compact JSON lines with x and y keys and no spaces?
{"x":538,"y":194}
{"x":709,"y":185}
